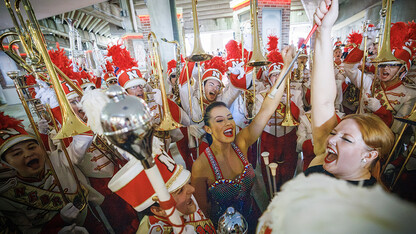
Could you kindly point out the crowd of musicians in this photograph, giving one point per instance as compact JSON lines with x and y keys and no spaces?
{"x":242,"y":132}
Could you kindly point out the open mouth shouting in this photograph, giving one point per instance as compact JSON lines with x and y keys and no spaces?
{"x":33,"y":163}
{"x":229,"y":132}
{"x":331,"y":155}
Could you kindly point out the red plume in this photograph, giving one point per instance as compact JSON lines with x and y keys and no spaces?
{"x":216,"y":62}
{"x":233,"y":52}
{"x":171,"y":64}
{"x":300,"y":42}
{"x":272,"y":43}
{"x":399,"y":34}
{"x":355,"y":38}
{"x":9,"y":122}
{"x":60,"y":59}
{"x":412,"y":30}
{"x":275,"y":57}
{"x":109,"y":67}
{"x":182,"y":59}
{"x":121,"y":57}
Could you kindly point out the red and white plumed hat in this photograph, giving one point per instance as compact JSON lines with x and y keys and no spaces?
{"x":60,"y":59}
{"x":68,"y":90}
{"x":400,"y":36}
{"x":132,"y":184}
{"x":109,"y":72}
{"x":354,"y":40}
{"x":11,"y":133}
{"x":273,"y":56}
{"x":128,"y":73}
{"x":337,"y":44}
{"x":186,"y":73}
{"x":87,"y":81}
{"x":214,"y":69}
{"x":304,"y":53}
{"x":171,"y":67}
{"x":233,"y":53}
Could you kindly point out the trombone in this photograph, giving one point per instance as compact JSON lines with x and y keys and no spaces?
{"x":257,"y":59}
{"x":175,"y":88}
{"x":167,"y":122}
{"x":71,"y":125}
{"x":288,"y":120}
{"x":198,"y":55}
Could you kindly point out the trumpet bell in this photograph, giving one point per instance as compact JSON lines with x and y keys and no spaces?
{"x":71,"y":126}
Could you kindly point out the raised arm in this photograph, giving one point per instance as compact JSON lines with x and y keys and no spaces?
{"x":252,"y":132}
{"x":323,"y":86}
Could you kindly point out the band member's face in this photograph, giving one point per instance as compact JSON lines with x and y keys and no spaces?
{"x":112,"y":82}
{"x":77,"y":109}
{"x":337,"y":54}
{"x":302,"y":59}
{"x":183,"y":198}
{"x":212,"y":88}
{"x":172,"y":79}
{"x":373,"y":49}
{"x":273,"y":77}
{"x":27,"y":158}
{"x":387,"y":72}
{"x":137,"y":91}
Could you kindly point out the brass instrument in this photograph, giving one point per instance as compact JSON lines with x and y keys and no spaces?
{"x":299,"y":72}
{"x":198,"y":55}
{"x":257,"y":59}
{"x":71,"y":125}
{"x":167,"y":122}
{"x":288,"y":120}
{"x":384,"y":54}
{"x":360,"y":97}
{"x":175,"y":86}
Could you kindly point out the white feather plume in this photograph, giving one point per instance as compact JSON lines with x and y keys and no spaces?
{"x":321,"y":204}
{"x":93,"y":102}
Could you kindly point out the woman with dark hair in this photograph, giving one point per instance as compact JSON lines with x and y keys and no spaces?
{"x":222,"y":175}
{"x":349,"y":149}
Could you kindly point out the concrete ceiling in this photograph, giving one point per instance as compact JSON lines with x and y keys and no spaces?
{"x":44,"y":9}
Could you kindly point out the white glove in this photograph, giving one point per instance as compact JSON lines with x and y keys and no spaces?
{"x":47,"y":96}
{"x":73,"y":229}
{"x":373,"y":104}
{"x":43,"y":126}
{"x":195,"y":71}
{"x":69,"y":213}
{"x":196,"y":131}
{"x":237,"y":70}
{"x":157,"y":96}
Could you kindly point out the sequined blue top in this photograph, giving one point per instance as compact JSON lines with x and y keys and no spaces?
{"x":236,"y":193}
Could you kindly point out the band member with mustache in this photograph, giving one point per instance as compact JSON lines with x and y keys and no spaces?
{"x":387,"y":95}
{"x":30,"y":197}
{"x":348,"y":149}
{"x":230,"y":180}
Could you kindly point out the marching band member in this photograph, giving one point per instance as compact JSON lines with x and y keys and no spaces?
{"x":386,"y":95}
{"x":275,"y":134}
{"x":30,"y":198}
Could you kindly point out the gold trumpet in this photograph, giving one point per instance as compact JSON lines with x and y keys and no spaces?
{"x":71,"y":124}
{"x":167,"y":122}
{"x":198,"y":55}
{"x":288,"y":120}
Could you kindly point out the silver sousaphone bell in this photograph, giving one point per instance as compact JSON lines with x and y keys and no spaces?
{"x":127,"y":123}
{"x":232,"y":222}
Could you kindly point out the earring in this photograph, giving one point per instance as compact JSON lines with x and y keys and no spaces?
{"x":363,"y":160}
